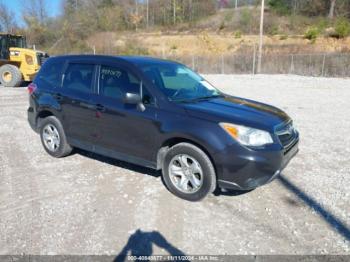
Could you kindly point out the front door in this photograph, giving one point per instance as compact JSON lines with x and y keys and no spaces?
{"x":122,"y":127}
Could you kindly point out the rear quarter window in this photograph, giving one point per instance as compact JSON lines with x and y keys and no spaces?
{"x":51,"y":73}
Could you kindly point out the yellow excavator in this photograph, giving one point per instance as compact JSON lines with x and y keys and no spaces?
{"x":17,"y":62}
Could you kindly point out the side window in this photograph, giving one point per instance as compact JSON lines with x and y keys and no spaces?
{"x":51,"y":73}
{"x":79,"y":77}
{"x":115,"y":82}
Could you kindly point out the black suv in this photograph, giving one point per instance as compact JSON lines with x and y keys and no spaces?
{"x":159,"y":114}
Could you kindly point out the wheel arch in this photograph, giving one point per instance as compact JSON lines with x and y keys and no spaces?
{"x":44,"y":113}
{"x":170,"y":142}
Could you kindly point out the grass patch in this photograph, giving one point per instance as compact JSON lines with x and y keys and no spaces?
{"x":312,"y":33}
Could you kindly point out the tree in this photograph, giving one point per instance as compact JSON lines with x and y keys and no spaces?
{"x":36,"y":9}
{"x":283,"y":7}
{"x":331,"y":9}
{"x":313,"y":7}
{"x":7,"y":21}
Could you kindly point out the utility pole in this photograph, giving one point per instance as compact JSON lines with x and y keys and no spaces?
{"x":261,"y":35}
{"x":295,"y":7}
{"x":174,"y":14}
{"x":191,"y":10}
{"x":136,"y":15}
{"x":147,"y":11}
{"x":331,"y":9}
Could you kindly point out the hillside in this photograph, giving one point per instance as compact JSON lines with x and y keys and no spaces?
{"x":228,"y":31}
{"x":209,"y":43}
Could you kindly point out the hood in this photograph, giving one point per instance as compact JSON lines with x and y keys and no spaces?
{"x":237,"y":111}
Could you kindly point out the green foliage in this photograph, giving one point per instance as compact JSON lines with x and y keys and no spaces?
{"x":238,"y":34}
{"x":282,"y":7}
{"x":317,"y":29}
{"x":312,"y":33}
{"x":342,"y":28}
{"x":228,"y":17}
{"x":246,"y":19}
{"x":273,"y":30}
{"x":323,"y":24}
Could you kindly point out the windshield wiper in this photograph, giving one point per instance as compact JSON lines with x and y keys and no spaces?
{"x":196,"y":99}
{"x":209,"y":97}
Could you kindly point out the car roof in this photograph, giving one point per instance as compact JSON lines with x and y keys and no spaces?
{"x":136,"y":60}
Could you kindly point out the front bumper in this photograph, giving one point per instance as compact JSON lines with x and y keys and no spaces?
{"x":245,"y":169}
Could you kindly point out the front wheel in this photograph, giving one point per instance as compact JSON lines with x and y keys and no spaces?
{"x":188,"y":172}
{"x":10,"y":75}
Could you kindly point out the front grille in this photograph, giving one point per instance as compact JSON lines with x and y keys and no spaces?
{"x":287,"y":136}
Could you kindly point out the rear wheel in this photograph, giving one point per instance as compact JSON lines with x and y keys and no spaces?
{"x":53,"y":137}
{"x":188,"y":172}
{"x":10,"y":75}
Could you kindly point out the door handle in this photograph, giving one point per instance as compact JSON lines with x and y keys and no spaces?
{"x":87,"y":105}
{"x":58,"y":96}
{"x":100,"y":108}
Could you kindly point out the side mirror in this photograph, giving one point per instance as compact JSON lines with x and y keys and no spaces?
{"x":134,"y":99}
{"x":131,"y":98}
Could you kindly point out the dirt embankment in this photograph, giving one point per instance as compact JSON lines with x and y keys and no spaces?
{"x":207,"y":43}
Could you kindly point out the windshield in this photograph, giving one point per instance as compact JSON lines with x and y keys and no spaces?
{"x":179,"y":83}
{"x":17,"y":41}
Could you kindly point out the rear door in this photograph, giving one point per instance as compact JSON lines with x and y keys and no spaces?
{"x":122,"y":127}
{"x":78,"y":102}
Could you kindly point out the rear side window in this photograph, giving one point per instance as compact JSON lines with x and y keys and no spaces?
{"x":78,"y":77}
{"x":51,"y":73}
{"x":115,"y":82}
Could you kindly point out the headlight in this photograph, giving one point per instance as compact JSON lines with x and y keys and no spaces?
{"x":246,"y":135}
{"x":14,"y":53}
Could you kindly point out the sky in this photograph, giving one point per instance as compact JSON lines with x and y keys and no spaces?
{"x":53,"y":7}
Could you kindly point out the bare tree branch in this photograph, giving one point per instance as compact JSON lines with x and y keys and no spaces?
{"x":7,"y":21}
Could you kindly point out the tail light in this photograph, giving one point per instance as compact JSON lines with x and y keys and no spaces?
{"x":31,"y":88}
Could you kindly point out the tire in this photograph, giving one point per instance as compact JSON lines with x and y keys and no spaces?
{"x":10,"y":75}
{"x":51,"y":130}
{"x":197,"y":171}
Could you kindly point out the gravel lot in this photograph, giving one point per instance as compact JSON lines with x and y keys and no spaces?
{"x":88,"y":204}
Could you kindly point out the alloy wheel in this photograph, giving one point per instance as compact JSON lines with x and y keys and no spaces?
{"x":186,"y":173}
{"x":51,"y":137}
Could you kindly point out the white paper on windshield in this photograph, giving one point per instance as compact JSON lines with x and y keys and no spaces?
{"x":207,"y":85}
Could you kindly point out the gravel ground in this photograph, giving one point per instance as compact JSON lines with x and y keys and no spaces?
{"x":88,"y":204}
